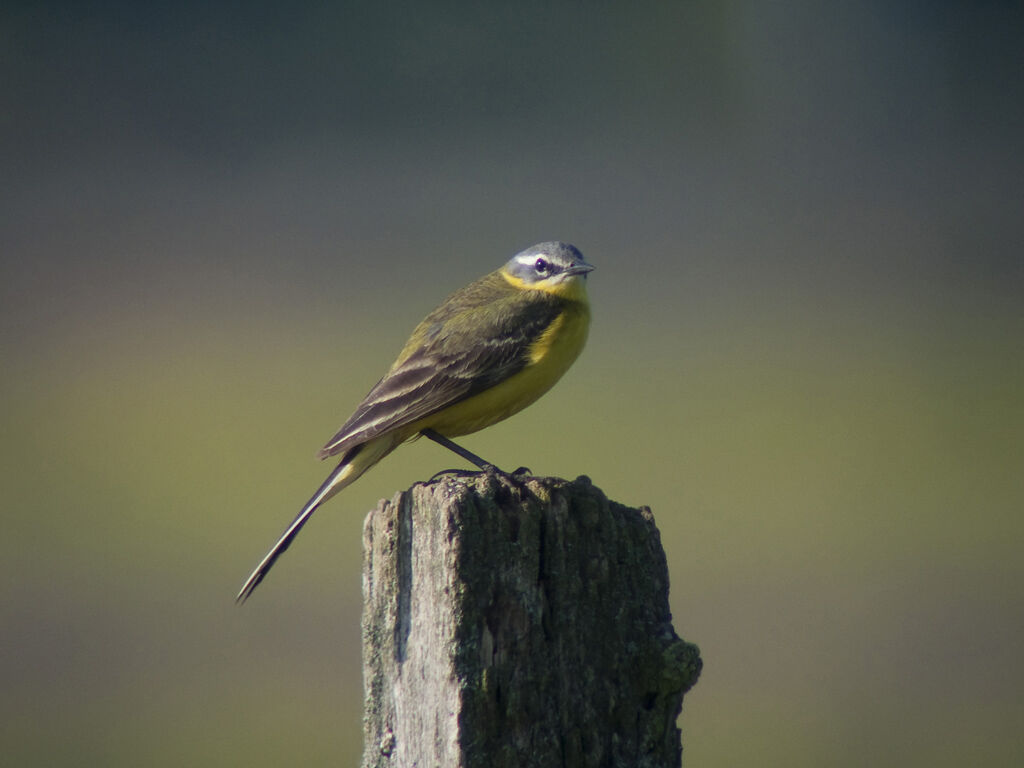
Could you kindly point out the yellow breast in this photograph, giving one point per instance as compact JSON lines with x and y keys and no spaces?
{"x":549,"y":358}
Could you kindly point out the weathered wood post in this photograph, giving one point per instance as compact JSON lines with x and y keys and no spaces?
{"x":518,"y":622}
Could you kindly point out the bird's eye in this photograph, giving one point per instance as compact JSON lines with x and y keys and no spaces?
{"x":541,"y":265}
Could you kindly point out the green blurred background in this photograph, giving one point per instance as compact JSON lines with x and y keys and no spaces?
{"x":219,"y":223}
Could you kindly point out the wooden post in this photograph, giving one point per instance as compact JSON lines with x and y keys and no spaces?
{"x":518,"y":623}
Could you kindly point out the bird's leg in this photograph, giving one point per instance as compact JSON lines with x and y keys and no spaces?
{"x":451,"y":445}
{"x":469,"y":456}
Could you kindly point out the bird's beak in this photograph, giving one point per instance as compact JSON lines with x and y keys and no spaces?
{"x":579,"y":268}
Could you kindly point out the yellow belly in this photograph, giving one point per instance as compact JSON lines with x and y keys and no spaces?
{"x":550,"y":357}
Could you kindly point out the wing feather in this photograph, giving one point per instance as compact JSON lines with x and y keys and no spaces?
{"x":450,"y":357}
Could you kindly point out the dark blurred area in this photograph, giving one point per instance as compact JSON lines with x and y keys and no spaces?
{"x":219,"y":222}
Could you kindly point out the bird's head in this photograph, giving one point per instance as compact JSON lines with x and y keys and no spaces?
{"x":553,"y":267}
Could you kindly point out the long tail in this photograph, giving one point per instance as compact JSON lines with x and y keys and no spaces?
{"x":354,"y":464}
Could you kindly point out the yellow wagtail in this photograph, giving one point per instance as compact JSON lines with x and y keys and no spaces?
{"x":487,"y":352}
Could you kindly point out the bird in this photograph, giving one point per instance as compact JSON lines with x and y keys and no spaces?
{"x":489,"y":350}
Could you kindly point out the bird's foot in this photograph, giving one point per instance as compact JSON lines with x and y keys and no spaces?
{"x":487,"y":468}
{"x":455,"y":473}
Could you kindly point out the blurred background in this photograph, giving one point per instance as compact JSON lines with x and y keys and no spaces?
{"x":220,"y":222}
